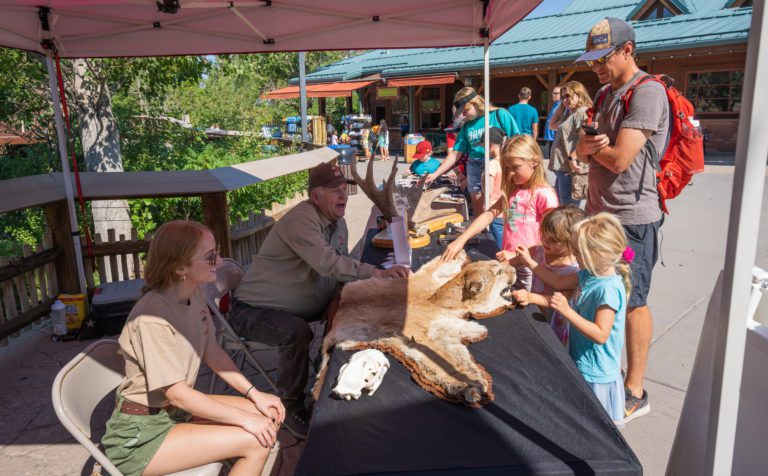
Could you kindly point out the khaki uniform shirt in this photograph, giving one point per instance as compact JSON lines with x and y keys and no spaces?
{"x":300,"y":264}
{"x":163,"y":342}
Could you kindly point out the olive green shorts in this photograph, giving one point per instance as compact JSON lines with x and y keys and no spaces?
{"x":131,"y":441}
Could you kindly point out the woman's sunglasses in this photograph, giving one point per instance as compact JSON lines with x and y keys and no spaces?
{"x":211,"y":257}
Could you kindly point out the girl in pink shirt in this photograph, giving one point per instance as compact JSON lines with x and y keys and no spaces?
{"x":525,"y":196}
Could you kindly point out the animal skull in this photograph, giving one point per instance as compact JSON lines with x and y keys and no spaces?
{"x":364,"y":371}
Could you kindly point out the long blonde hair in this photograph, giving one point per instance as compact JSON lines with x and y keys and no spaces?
{"x":173,"y":246}
{"x":575,"y":88}
{"x":601,"y":242}
{"x":520,"y":147}
{"x":557,"y":224}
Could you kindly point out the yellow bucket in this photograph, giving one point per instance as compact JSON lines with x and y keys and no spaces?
{"x":74,"y":310}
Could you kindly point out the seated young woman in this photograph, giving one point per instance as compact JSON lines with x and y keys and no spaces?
{"x":161,"y":424}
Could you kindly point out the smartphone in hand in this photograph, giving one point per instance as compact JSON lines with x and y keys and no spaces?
{"x":589,"y":129}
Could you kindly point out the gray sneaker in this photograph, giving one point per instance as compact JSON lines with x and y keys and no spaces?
{"x":635,"y":407}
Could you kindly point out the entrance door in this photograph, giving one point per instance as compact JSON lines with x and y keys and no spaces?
{"x":381,"y":113}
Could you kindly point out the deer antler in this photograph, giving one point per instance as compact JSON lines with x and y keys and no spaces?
{"x":381,"y":198}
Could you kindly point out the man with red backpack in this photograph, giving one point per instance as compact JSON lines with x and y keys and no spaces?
{"x":623,"y":147}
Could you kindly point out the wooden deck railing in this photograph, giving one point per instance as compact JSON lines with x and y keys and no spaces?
{"x":29,"y":283}
{"x":28,"y":286}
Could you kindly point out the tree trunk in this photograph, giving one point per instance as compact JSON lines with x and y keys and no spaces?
{"x":101,"y":148}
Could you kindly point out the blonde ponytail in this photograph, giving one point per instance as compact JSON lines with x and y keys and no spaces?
{"x":623,"y":269}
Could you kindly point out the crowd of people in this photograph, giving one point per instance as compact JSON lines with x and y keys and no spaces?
{"x":588,"y":270}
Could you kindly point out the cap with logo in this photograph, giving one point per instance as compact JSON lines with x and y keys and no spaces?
{"x":605,"y":36}
{"x":423,"y":148}
{"x":327,"y":175}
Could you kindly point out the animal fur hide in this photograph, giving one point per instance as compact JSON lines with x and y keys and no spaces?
{"x":422,"y":322}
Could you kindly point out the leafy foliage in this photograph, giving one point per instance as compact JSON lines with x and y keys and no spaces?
{"x":222,"y":90}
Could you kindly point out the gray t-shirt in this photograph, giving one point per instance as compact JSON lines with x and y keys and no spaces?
{"x":631,"y":195}
{"x":566,"y":139}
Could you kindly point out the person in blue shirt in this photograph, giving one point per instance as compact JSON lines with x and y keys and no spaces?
{"x":526,"y":116}
{"x":470,"y":106}
{"x":597,"y":318}
{"x":424,"y":163}
{"x":549,"y":134}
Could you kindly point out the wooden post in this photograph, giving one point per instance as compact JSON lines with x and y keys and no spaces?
{"x":321,"y":106}
{"x":348,"y":104}
{"x":57,"y":218}
{"x":216,"y":214}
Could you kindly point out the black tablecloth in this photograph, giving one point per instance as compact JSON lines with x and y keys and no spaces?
{"x":544,"y":420}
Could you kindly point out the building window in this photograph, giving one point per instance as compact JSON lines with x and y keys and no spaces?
{"x":430,"y":108}
{"x":655,"y":10}
{"x":716,"y":92}
{"x":739,"y":4}
{"x":400,"y":109}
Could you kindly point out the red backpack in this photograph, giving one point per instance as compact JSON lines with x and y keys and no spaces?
{"x":684,"y":154}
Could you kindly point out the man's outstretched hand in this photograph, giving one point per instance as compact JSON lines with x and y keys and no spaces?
{"x":396,"y":271}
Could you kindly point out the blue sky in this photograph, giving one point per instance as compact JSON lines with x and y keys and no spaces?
{"x":549,"y":7}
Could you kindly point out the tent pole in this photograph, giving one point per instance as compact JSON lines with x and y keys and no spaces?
{"x":743,"y":228}
{"x":62,"y":141}
{"x":303,"y":95}
{"x":487,"y":93}
{"x":411,"y":112}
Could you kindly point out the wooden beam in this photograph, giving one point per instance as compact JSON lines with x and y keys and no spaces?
{"x":566,"y":78}
{"x":321,"y":106}
{"x":57,"y":218}
{"x":119,"y":248}
{"x":216,"y":213}
{"x":418,"y":90}
{"x":20,"y":266}
{"x":551,"y":80}
{"x":542,"y":81}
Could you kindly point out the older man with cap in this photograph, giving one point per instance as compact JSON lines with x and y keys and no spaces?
{"x":623,"y":154}
{"x":294,"y":277}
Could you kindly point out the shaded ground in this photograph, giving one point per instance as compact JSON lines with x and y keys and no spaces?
{"x":33,"y":442}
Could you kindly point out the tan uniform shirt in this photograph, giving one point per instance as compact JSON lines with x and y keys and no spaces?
{"x":300,"y":264}
{"x":163,"y":342}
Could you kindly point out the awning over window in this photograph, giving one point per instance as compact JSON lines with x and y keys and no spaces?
{"x":422,"y":80}
{"x":327,"y":90}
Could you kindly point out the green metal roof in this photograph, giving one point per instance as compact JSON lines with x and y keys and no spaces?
{"x":556,"y":38}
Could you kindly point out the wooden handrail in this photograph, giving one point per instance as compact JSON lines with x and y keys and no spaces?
{"x":19,"y":266}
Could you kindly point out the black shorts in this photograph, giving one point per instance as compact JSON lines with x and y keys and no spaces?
{"x":644,"y":241}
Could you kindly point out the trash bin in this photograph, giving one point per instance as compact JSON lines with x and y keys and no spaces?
{"x":346,"y":161}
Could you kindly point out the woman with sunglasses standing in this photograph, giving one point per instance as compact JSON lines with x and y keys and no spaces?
{"x":570,"y":173}
{"x":470,"y":106}
{"x":161,"y":424}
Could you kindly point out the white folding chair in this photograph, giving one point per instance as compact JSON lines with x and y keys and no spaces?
{"x":82,"y":384}
{"x":229,"y":273}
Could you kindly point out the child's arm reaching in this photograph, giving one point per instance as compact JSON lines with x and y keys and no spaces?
{"x":525,"y":297}
{"x":475,"y":228}
{"x":513,"y":259}
{"x":597,"y":331}
{"x":550,"y":278}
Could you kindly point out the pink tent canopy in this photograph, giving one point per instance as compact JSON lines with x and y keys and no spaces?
{"x":126,"y":28}
{"x":114,"y":28}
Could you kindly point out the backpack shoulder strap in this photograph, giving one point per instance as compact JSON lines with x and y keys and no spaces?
{"x":643,"y":79}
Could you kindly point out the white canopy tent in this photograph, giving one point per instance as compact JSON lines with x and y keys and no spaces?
{"x":115,"y":28}
{"x":132,"y":28}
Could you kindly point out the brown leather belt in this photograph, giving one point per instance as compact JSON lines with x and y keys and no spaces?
{"x":131,"y":408}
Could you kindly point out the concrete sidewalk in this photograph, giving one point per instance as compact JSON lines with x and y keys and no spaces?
{"x":33,"y":442}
